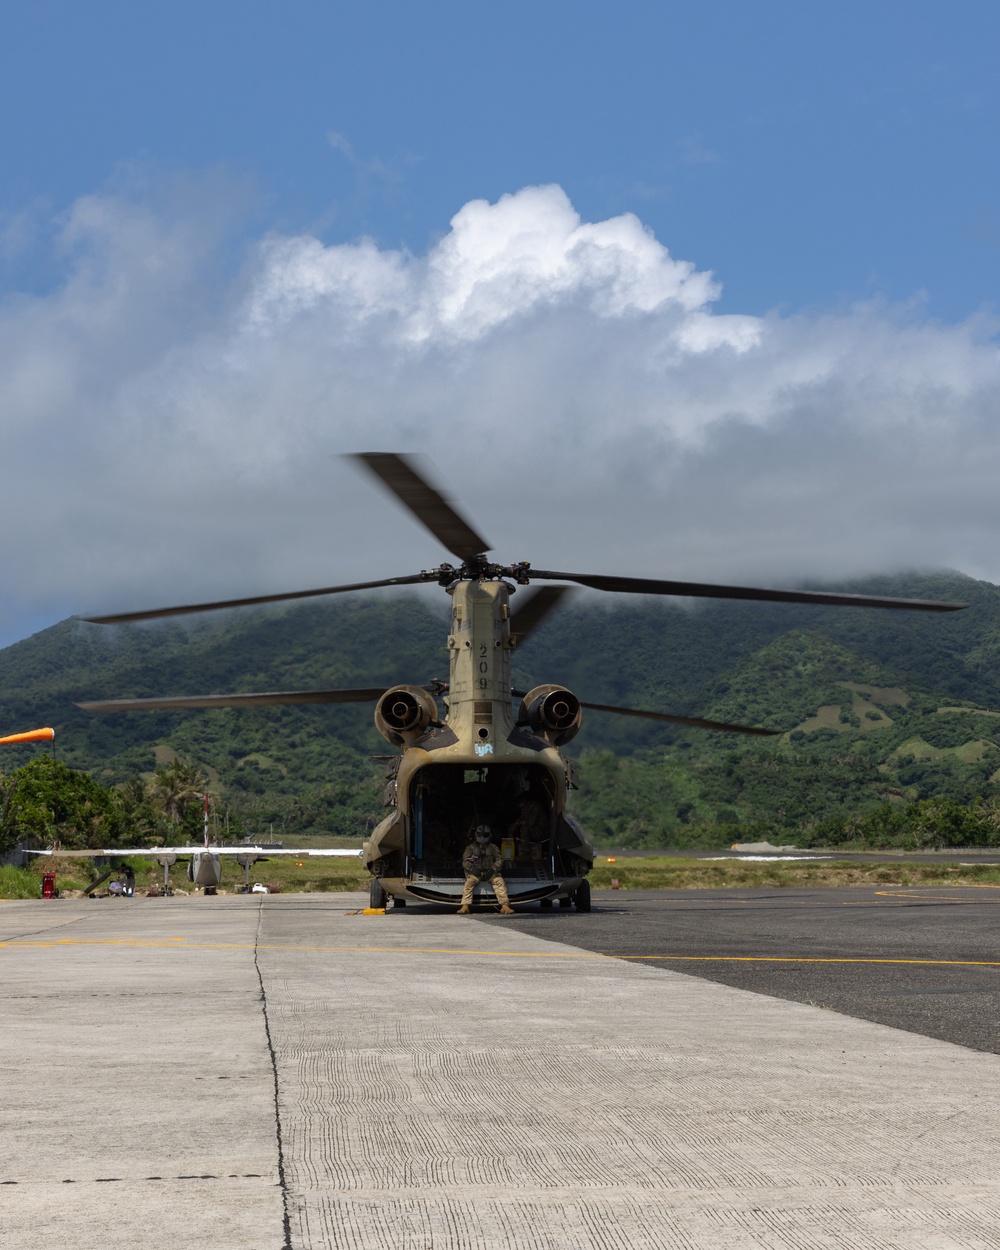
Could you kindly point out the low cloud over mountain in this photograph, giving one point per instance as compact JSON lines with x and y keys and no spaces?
{"x":171,"y":416}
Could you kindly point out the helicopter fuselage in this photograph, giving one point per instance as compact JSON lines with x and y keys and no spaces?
{"x":479,"y":765}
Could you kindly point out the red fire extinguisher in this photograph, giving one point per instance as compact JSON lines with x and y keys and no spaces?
{"x":49,"y":885}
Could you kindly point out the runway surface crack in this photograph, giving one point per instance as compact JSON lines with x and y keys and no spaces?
{"x":19,"y":937}
{"x":282,"y":1179}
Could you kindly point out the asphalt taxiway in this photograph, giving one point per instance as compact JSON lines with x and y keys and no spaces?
{"x":285,"y":1072}
{"x":926,"y":959}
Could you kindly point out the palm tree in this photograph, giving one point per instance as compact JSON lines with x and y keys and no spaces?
{"x":176,"y":786}
{"x":141,"y":817}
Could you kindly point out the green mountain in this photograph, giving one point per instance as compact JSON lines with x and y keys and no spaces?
{"x":875,"y":707}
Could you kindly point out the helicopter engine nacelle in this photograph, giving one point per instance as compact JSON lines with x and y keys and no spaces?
{"x":552,"y":711}
{"x":404,"y":713}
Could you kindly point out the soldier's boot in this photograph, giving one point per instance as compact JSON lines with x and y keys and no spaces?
{"x":500,"y":890}
{"x":463,"y":910}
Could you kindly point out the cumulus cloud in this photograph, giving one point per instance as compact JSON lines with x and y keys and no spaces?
{"x":171,"y":419}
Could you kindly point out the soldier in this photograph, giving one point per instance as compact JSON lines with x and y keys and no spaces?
{"x":530,"y":827}
{"x":481,"y":861}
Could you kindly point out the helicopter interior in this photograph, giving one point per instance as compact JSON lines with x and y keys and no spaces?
{"x":516,"y":801}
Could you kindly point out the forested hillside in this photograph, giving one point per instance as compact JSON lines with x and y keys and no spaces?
{"x":878,"y":709}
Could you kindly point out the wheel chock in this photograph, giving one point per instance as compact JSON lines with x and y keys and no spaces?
{"x":373,"y":911}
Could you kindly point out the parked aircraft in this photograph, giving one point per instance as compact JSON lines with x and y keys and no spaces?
{"x":204,"y":862}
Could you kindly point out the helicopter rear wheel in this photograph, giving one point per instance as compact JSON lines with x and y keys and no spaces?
{"x":376,"y":895}
{"x":582,"y":896}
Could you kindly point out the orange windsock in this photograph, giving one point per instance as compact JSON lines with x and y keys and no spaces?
{"x":33,"y":735}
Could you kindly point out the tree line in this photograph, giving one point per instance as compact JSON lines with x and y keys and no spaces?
{"x":46,"y":801}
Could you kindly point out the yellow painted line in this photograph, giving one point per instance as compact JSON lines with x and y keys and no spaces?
{"x":937,"y":898}
{"x":175,"y":942}
{"x":183,"y":944}
{"x":811,"y":959}
{"x":172,"y":943}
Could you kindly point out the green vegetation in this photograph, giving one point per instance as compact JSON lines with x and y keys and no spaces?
{"x":889,"y":733}
{"x":646,"y":873}
{"x":284,"y":875}
{"x":19,"y":883}
{"x":45,"y":799}
{"x":46,"y":802}
{"x":654,"y":873}
{"x":699,"y":874}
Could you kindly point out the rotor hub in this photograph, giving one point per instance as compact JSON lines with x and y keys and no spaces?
{"x":479,"y":569}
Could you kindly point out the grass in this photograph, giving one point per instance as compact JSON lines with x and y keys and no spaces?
{"x":648,"y":873}
{"x":19,"y":883}
{"x":288,"y":875}
{"x":657,"y":873}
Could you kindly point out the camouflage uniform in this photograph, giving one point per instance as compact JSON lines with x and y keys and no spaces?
{"x":481,"y":861}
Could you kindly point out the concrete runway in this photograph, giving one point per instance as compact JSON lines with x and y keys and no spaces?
{"x":278,"y":1072}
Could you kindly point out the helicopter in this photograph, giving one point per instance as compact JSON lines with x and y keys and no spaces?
{"x":484,"y":764}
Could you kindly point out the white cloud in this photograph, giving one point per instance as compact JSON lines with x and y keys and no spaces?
{"x":169,"y":426}
{"x":499,"y":262}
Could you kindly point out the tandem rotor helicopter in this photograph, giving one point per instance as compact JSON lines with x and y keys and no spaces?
{"x":482,"y":762}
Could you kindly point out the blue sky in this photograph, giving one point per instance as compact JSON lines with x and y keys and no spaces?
{"x":183,"y":190}
{"x":807,"y":153}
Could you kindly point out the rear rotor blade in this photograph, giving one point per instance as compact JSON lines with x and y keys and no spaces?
{"x":533,"y":607}
{"x":269,"y":699}
{"x":122,"y":618}
{"x":701,"y":590}
{"x":694,"y":721}
{"x":401,"y":476}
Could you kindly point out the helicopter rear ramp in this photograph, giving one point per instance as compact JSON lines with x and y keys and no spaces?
{"x":524,"y":885}
{"x":519,"y":890}
{"x":284,"y":1072}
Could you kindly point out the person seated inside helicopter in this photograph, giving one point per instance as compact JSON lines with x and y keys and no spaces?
{"x":481,"y":861}
{"x":530,"y":827}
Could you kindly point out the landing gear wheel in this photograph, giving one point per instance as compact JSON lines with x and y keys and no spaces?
{"x":545,"y":902}
{"x":565,"y":902}
{"x":582,"y":896}
{"x":398,"y":901}
{"x":376,"y":895}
